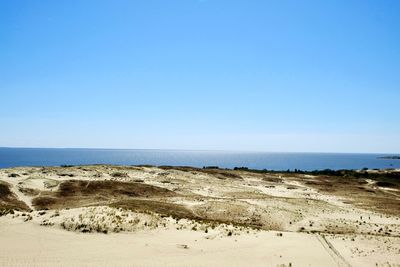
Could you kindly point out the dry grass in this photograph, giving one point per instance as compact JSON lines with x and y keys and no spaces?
{"x":29,"y":191}
{"x":9,"y":201}
{"x":106,"y":220}
{"x":151,"y":206}
{"x":217,"y":173}
{"x":360,"y":193}
{"x":75,"y":193}
{"x":119,"y":174}
{"x":272,"y":179}
{"x":110,"y":188}
{"x":178,"y":212}
{"x":258,"y":200}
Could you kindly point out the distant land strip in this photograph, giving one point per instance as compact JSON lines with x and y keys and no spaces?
{"x":389,"y":157}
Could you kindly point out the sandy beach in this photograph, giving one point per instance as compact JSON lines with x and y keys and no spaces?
{"x":104,"y":215}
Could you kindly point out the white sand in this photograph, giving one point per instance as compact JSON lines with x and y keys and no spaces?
{"x":27,"y":244}
{"x":287,"y":205}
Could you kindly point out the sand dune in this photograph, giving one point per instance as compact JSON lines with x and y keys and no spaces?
{"x":163,"y":216}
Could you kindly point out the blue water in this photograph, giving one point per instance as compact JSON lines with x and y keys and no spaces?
{"x":13,"y":157}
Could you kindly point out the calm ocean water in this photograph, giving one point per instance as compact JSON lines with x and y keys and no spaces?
{"x":13,"y":157}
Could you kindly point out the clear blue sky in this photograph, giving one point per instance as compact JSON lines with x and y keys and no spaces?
{"x":201,"y":74}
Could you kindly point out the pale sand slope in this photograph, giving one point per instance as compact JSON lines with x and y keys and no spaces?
{"x":322,"y":223}
{"x":27,"y":244}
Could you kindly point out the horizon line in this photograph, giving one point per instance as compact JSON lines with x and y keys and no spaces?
{"x":209,"y":150}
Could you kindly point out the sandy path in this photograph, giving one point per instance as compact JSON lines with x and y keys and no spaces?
{"x":337,"y":257}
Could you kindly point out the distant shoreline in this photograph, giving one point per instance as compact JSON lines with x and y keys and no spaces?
{"x":389,"y":157}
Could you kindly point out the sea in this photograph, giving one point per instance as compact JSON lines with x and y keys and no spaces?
{"x":15,"y":157}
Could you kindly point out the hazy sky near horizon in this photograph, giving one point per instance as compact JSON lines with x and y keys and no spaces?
{"x":310,"y":76}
